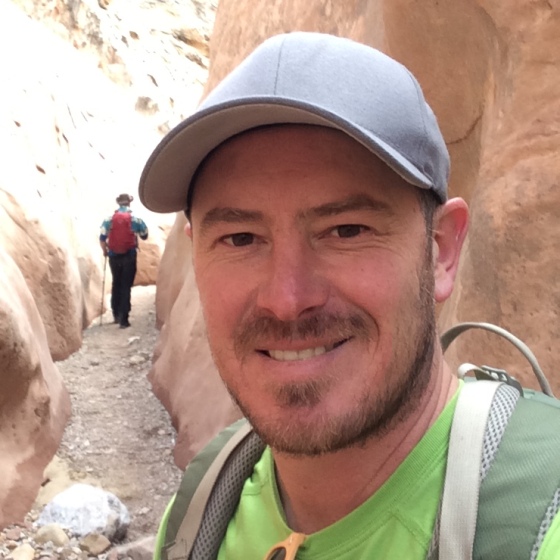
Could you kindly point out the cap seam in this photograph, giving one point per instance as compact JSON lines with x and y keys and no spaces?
{"x":420,"y":98}
{"x":280,"y":53}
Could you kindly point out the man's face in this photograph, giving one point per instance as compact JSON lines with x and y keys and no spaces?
{"x":316,"y":280}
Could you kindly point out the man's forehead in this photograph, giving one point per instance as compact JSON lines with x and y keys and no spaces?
{"x":277,"y":139}
{"x":317,"y":160}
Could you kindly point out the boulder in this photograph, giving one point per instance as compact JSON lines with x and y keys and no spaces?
{"x":83,"y":509}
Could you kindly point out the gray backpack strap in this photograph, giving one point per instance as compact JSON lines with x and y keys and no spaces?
{"x":459,"y":506}
{"x":502,"y":407}
{"x":209,"y":494}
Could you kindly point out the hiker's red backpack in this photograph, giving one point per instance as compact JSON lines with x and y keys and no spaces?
{"x":121,"y":237}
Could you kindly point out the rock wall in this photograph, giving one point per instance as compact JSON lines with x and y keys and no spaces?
{"x":34,"y":405}
{"x":54,"y":169}
{"x":489,"y":68}
{"x":509,"y":271}
{"x":81,"y":110}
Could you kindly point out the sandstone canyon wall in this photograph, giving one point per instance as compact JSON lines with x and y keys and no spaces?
{"x":34,"y":405}
{"x":489,"y":68}
{"x":81,"y":110}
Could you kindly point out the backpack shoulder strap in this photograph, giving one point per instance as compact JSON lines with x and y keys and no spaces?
{"x":209,"y":494}
{"x":462,"y":479}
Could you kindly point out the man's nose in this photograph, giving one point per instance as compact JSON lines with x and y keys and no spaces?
{"x":293,"y":284}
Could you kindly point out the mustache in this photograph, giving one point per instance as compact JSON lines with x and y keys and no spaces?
{"x":259,"y":330}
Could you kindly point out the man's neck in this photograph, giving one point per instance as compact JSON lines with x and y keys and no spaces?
{"x":318,"y":491}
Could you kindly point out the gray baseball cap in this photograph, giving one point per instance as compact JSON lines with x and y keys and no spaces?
{"x":307,"y":78}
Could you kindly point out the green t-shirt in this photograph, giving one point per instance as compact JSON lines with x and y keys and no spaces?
{"x":395,"y":523}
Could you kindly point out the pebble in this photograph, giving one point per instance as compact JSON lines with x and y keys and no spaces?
{"x":22,"y":552}
{"x":52,"y":533}
{"x":13,"y":534}
{"x":95,"y":544}
{"x":30,"y":544}
{"x":136,"y":360}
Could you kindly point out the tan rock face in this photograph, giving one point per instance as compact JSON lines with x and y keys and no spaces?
{"x":509,"y":271}
{"x":71,"y":141}
{"x":72,"y":138}
{"x":489,"y":68}
{"x":35,"y":405}
{"x":50,"y":272}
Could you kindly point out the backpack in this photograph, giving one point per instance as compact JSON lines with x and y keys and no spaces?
{"x":487,"y":508}
{"x":121,"y":236}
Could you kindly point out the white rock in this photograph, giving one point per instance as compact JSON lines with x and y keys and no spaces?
{"x":84,"y":509}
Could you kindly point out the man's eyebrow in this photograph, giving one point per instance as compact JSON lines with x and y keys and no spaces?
{"x":356,"y":202}
{"x":230,"y":216}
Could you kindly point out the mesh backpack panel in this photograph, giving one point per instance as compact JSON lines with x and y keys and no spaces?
{"x":225,"y":498}
{"x":520,"y":489}
{"x":121,"y":237}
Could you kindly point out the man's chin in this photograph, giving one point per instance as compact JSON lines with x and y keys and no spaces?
{"x":305,"y":431}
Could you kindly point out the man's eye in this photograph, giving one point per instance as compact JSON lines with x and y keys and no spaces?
{"x":348,"y":230}
{"x":240,"y":239}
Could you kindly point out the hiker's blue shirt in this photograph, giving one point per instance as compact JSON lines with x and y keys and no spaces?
{"x":137,"y":224}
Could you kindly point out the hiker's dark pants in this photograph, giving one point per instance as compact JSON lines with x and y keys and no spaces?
{"x":123,"y":269}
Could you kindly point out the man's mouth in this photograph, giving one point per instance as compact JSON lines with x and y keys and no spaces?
{"x":294,"y":355}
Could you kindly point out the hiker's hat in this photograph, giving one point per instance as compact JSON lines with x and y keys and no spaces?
{"x":308,"y":78}
{"x":124,"y":198}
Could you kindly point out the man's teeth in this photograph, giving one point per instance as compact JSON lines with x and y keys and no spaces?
{"x":291,"y":355}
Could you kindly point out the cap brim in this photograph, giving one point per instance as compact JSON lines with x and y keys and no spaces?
{"x":168,"y":172}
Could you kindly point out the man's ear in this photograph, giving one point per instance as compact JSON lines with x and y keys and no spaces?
{"x":450,"y":229}
{"x":188,"y":229}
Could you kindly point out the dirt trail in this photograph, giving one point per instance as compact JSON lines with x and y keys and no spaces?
{"x":119,"y":436}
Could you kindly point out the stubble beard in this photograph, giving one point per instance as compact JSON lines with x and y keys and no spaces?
{"x":375,"y":413}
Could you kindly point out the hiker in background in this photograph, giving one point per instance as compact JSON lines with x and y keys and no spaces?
{"x":314,"y":179}
{"x":119,"y":241}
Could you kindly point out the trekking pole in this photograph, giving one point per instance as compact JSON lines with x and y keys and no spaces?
{"x":102,"y":292}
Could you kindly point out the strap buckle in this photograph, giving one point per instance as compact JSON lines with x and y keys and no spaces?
{"x":490,"y":373}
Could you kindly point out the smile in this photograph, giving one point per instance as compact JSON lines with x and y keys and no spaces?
{"x":295,"y":355}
